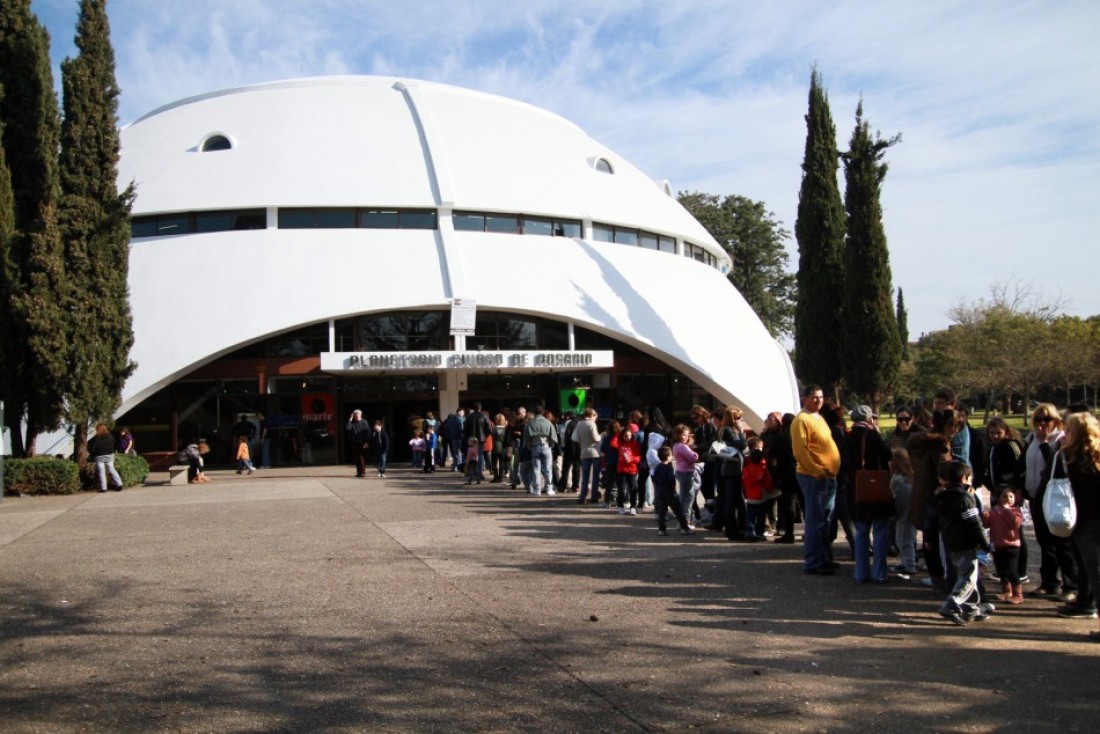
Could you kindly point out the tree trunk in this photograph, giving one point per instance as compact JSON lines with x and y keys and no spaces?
{"x":15,"y":431}
{"x":80,"y":444}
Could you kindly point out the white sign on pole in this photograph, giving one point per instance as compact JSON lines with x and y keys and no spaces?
{"x":463,"y":316}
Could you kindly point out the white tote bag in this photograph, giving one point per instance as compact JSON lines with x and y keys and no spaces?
{"x":1059,"y":507}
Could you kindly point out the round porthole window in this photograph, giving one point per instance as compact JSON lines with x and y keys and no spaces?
{"x":216,"y":142}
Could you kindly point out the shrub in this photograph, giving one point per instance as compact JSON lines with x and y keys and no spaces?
{"x":132,"y":470}
{"x":40,"y":475}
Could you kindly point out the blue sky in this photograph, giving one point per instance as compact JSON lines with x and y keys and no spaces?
{"x":997,"y":178}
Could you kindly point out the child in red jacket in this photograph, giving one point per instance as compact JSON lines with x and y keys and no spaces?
{"x":1005,"y":522}
{"x":630,"y":453}
{"x":759,"y":490}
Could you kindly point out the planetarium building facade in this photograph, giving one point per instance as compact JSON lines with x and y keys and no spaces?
{"x":308,"y":247}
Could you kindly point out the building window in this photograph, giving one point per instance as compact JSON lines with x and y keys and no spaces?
{"x":316,"y":218}
{"x":400,"y":331}
{"x":468,"y":222}
{"x":695,"y":252}
{"x":164,"y":225}
{"x":230,"y":221}
{"x":603,"y":233}
{"x":216,"y":142}
{"x":379,"y":219}
{"x":418,"y":219}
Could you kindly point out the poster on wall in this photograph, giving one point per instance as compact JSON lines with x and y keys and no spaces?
{"x":319,"y":411}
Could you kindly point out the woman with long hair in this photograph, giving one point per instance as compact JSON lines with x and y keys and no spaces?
{"x":1081,"y":453}
{"x":1055,"y":554}
{"x":730,"y":515}
{"x":901,"y":486}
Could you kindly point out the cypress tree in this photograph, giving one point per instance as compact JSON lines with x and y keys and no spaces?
{"x":903,"y":326}
{"x":819,"y":230}
{"x":872,"y":346}
{"x":30,"y":383}
{"x":95,"y":221}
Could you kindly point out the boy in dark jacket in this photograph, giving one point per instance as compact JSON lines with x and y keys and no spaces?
{"x":664,"y":493}
{"x":962,"y":534}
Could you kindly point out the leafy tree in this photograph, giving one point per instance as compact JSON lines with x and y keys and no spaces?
{"x":755,"y":242}
{"x":95,"y":220}
{"x":819,"y":230}
{"x":903,"y":326}
{"x":30,"y":384}
{"x":871,"y":344}
{"x":1074,"y":340}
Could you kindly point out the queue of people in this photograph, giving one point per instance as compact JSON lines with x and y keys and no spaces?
{"x":928,"y":511}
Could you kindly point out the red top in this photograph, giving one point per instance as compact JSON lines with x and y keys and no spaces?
{"x":756,"y":479}
{"x":630,"y":453}
{"x":1004,"y":526}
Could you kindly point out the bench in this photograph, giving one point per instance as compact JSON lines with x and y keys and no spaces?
{"x":177,"y":474}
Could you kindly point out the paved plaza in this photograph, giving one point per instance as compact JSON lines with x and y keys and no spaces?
{"x":304,"y":600}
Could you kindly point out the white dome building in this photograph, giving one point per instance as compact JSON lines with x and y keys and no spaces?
{"x":307,"y":247}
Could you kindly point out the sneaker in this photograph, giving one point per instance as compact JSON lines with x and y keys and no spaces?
{"x":550,"y":492}
{"x":1067,"y":597}
{"x":686,"y":531}
{"x":622,"y":510}
{"x":533,"y":491}
{"x":978,"y":616}
{"x":633,"y":511}
{"x":953,"y":617}
{"x":662,"y":533}
{"x":1072,"y":612}
{"x":1045,"y":591}
{"x":1025,"y":579}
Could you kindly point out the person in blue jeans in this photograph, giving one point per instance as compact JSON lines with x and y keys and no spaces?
{"x":379,"y":443}
{"x":818,"y":464}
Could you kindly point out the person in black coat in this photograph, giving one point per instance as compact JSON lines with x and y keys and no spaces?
{"x":863,"y":447}
{"x":379,"y":446}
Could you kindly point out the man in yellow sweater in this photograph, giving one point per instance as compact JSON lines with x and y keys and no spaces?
{"x":818,"y":465}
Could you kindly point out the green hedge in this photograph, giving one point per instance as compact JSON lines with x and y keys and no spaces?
{"x":41,"y":475}
{"x":50,"y":475}
{"x":132,"y":469}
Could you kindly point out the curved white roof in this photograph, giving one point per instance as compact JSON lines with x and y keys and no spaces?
{"x":374,"y":141}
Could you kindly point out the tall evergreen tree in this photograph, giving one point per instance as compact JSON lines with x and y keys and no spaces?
{"x":30,"y":384}
{"x":95,"y":221}
{"x":759,"y":257}
{"x":871,"y":346}
{"x":819,"y":230}
{"x":903,"y":326}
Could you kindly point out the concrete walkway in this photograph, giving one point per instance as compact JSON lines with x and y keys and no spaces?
{"x":298,"y":600}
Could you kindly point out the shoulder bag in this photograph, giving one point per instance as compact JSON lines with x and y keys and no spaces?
{"x":1059,"y":505}
{"x":872,"y":485}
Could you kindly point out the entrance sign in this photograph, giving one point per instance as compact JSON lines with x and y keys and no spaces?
{"x":463,"y":316}
{"x":503,"y":361}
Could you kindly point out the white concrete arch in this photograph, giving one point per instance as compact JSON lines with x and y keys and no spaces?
{"x":364,"y":141}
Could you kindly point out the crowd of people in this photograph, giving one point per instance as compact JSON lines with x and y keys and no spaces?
{"x":952,"y":503}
